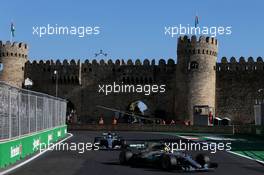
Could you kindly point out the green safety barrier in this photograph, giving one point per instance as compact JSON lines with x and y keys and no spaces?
{"x":18,"y":148}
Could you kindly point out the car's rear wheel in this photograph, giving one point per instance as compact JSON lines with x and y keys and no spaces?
{"x":168,"y":162}
{"x":125,"y":156}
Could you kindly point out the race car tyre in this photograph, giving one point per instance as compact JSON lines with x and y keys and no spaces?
{"x":213,"y":165}
{"x":123,"y":143}
{"x":104,"y":143}
{"x":202,"y":159}
{"x":168,"y":162}
{"x":97,"y":143}
{"x":97,"y":140}
{"x":125,"y":156}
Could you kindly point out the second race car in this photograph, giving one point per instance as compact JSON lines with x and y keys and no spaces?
{"x":109,"y":141}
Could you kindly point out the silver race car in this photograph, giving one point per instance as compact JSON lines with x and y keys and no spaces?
{"x":156,"y":155}
{"x":109,"y":141}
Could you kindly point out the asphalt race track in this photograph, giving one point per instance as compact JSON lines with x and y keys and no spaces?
{"x":106,"y":162}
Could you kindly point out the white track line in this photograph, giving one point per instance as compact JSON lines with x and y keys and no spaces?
{"x":34,"y":157}
{"x":247,"y":157}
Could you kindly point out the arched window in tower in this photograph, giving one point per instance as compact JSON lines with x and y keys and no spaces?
{"x":1,"y":67}
{"x":194,"y":65}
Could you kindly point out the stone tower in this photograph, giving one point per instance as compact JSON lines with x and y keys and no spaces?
{"x":13,"y":57}
{"x":195,"y":75}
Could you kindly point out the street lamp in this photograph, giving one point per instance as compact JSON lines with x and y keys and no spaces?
{"x":56,"y":73}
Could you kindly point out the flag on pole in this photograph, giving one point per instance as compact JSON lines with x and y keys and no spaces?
{"x":196,"y":21}
{"x":12,"y":29}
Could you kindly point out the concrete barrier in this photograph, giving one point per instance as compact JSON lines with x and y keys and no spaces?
{"x":19,"y":148}
{"x":236,"y":129}
{"x":154,"y":128}
{"x":249,"y":129}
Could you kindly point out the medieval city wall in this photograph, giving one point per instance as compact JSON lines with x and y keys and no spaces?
{"x":238,"y":82}
{"x":78,"y":82}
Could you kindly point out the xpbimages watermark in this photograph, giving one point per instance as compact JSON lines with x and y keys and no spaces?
{"x":79,"y":31}
{"x":212,"y":147}
{"x":213,"y":31}
{"x":80,"y":147}
{"x":146,"y":89}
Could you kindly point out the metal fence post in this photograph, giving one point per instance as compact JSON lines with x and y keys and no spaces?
{"x":9,"y":114}
{"x":43,"y":113}
{"x":28,"y":113}
{"x":18,"y":109}
{"x":36,"y":113}
{"x":56,"y":113}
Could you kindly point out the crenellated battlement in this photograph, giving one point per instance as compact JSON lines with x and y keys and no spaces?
{"x":224,"y":65}
{"x":13,"y":49}
{"x":203,"y":45}
{"x":250,"y":60}
{"x":54,"y":62}
{"x":109,"y":62}
{"x":129,"y":62}
{"x":240,"y":64}
{"x":193,"y":40}
{"x":73,"y":71}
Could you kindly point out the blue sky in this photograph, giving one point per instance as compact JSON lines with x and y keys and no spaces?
{"x":132,"y":28}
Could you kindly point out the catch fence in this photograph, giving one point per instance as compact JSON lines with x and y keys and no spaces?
{"x":24,"y":111}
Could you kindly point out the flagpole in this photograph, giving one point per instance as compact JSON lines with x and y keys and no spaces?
{"x":196,"y":21}
{"x":11,"y":37}
{"x":12,"y":31}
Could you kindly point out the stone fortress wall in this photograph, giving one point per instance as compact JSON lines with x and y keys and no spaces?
{"x":238,"y":85}
{"x":79,"y":82}
{"x":229,"y":86}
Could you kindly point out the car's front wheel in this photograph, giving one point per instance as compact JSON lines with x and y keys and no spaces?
{"x":168,"y":162}
{"x":202,"y":159}
{"x":125,"y":156}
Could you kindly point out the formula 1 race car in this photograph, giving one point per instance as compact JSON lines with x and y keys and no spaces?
{"x":109,"y":141}
{"x":157,"y":156}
